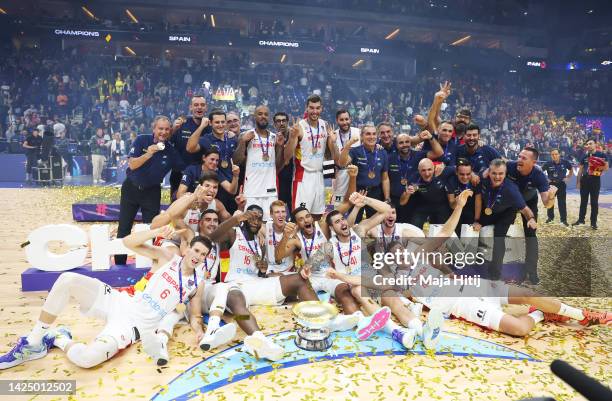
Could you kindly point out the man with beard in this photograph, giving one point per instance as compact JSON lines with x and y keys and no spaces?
{"x":427,"y":195}
{"x":149,"y":162}
{"x":455,"y":185}
{"x":592,"y":166}
{"x":344,"y":134}
{"x":390,"y":230}
{"x":448,"y":145}
{"x":248,"y":278}
{"x":308,"y":141}
{"x":275,"y":230}
{"x":556,"y":170}
{"x":210,"y":163}
{"x":182,"y":129}
{"x":403,"y":165}
{"x":479,"y":156}
{"x":373,"y":165}
{"x":259,"y":148}
{"x":285,"y":175}
{"x":226,"y":145}
{"x":190,"y":209}
{"x":501,"y":199}
{"x":530,"y":180}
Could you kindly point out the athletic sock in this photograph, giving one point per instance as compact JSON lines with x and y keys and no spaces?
{"x":162,"y":336}
{"x":390,"y":326}
{"x":213,"y":323}
{"x":359,"y":314}
{"x":537,"y":316}
{"x":571,"y":312}
{"x":37,"y":333}
{"x":417,"y":325}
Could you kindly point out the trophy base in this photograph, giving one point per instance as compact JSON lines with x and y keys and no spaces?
{"x":311,"y":339}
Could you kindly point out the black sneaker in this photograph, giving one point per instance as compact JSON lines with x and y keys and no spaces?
{"x":565,"y":223}
{"x":594,"y":226}
{"x":577,"y":223}
{"x":549,"y":220}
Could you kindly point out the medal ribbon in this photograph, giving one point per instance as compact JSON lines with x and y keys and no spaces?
{"x":224,"y":153}
{"x":340,"y":136}
{"x":403,"y":167}
{"x":315,"y":145}
{"x":492,"y":200}
{"x":266,"y":152}
{"x":382,"y":231}
{"x":256,"y":250}
{"x":350,"y":252}
{"x":308,"y":250}
{"x":180,"y":274}
{"x":365,"y":154}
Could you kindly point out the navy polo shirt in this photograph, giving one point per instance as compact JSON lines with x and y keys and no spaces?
{"x":529,"y":185}
{"x":449,"y":157}
{"x":502,"y":198}
{"x":392,"y":150}
{"x":191,"y":176}
{"x":481,"y":158}
{"x":584,"y":161}
{"x":429,"y":195}
{"x":455,"y":187}
{"x":403,"y":168}
{"x":557,"y":171}
{"x":378,"y":161}
{"x":226,"y":149}
{"x":153,"y":171}
{"x":181,"y":136}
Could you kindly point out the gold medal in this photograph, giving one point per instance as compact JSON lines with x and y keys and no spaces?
{"x":488,"y":211}
{"x":180,"y":308}
{"x":371,"y":175}
{"x":314,"y":151}
{"x":224,"y":164}
{"x":265,"y":158}
{"x":404,"y":181}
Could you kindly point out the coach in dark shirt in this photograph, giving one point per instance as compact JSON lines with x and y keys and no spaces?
{"x":150,"y":159}
{"x":427,"y":195}
{"x":448,"y":145}
{"x":220,"y":140}
{"x":530,"y":180}
{"x":32,"y":146}
{"x":479,"y":156}
{"x":501,"y":199}
{"x":182,"y":129}
{"x":592,"y":165}
{"x":403,"y":165}
{"x":373,"y":166}
{"x":459,"y":182}
{"x":557,"y":169}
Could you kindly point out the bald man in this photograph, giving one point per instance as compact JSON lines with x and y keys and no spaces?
{"x":233,"y":123}
{"x":427,"y":195}
{"x":403,"y":165}
{"x":258,"y":149}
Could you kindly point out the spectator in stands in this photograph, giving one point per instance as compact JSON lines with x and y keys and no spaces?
{"x":99,"y":145}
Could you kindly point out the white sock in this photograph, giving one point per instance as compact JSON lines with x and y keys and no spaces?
{"x":37,"y":333}
{"x":359,"y":314}
{"x":537,"y":316}
{"x":571,"y":312}
{"x":390,"y":326}
{"x":213,"y":323}
{"x":417,"y":325}
{"x":162,"y":336}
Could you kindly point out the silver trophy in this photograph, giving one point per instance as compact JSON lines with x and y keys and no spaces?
{"x":314,"y":317}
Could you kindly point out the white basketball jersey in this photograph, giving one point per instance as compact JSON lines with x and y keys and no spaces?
{"x":309,"y":246}
{"x":342,"y":178}
{"x":347,"y":255}
{"x":242,"y":258}
{"x":161,"y":295}
{"x":305,"y":158}
{"x":272,"y":240}
{"x":260,"y":174}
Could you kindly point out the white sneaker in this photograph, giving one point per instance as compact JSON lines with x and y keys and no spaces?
{"x":218,"y":336}
{"x":343,"y":322}
{"x":261,"y":346}
{"x":404,"y":336}
{"x":95,"y":182}
{"x":433,"y":329}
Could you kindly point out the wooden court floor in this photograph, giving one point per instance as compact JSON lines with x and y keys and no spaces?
{"x":131,"y":375}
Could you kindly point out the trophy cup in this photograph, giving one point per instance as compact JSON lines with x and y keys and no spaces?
{"x":314,"y":317}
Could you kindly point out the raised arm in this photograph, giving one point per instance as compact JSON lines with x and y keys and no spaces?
{"x":433,"y":118}
{"x":288,"y":244}
{"x":240,"y":152}
{"x":294,"y":137}
{"x":138,"y":242}
{"x":382,"y":209}
{"x":344,"y":158}
{"x":177,"y":209}
{"x":135,"y":163}
{"x":193,"y":143}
